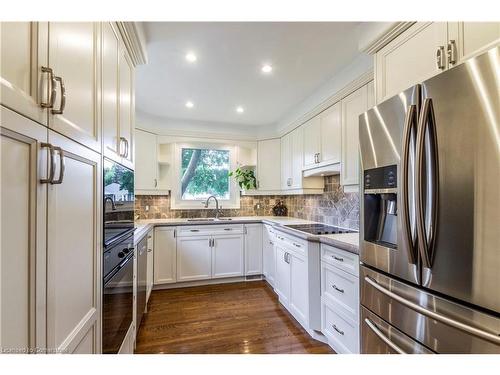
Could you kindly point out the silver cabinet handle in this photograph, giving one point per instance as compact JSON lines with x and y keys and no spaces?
{"x":209,"y":242}
{"x":228,"y":229}
{"x":156,"y":182}
{"x":194,"y":230}
{"x":434,"y":315}
{"x":337,"y":258}
{"x":383,"y":337}
{"x":150,"y":250}
{"x":52,"y":164}
{"x":62,"y":105}
{"x":338,"y":330}
{"x":337,"y":289}
{"x":271,"y":243}
{"x":440,"y":57}
{"x":297,"y":245}
{"x":52,"y":96}
{"x":127,"y":148}
{"x":62,"y":166}
{"x":124,"y":141}
{"x":452,"y":52}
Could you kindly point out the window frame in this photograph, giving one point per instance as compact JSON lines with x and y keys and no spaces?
{"x":176,"y":201}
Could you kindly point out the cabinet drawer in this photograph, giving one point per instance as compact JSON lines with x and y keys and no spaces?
{"x":208,"y":230}
{"x":341,"y":332}
{"x":341,"y":288}
{"x":342,"y":259}
{"x":292,"y":243}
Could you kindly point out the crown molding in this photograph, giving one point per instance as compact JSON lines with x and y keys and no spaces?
{"x":355,"y":84}
{"x":387,"y":36}
{"x":133,"y":38}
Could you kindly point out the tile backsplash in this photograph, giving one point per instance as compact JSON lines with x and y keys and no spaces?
{"x":333,"y":207}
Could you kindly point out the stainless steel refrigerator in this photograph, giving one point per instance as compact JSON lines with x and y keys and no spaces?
{"x":430,"y":215}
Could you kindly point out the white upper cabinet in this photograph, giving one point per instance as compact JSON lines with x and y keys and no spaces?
{"x":297,"y":157}
{"x":73,"y":57}
{"x":426,"y":49}
{"x":286,"y":162}
{"x":127,"y":109}
{"x":312,"y":141}
{"x":414,"y":56}
{"x":247,"y":156}
{"x":22,"y":56}
{"x":146,"y":177}
{"x":331,"y":130}
{"x":352,"y":106}
{"x":268,"y":164}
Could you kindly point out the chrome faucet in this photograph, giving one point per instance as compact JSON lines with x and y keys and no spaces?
{"x":217,"y":212}
{"x":113,"y":206}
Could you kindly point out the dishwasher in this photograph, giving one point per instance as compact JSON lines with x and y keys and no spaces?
{"x":142,"y":261}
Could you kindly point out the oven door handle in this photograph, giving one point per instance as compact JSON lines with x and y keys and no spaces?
{"x":117,"y":269}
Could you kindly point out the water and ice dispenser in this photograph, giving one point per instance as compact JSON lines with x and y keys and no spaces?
{"x":380,"y":206}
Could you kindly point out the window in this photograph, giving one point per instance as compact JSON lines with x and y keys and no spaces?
{"x":200,"y":170}
{"x":204,"y":172}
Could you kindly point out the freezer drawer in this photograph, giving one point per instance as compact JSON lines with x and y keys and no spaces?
{"x":439,"y":324}
{"x":378,"y":337}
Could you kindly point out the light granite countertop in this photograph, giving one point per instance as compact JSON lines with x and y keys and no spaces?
{"x":345,"y":241}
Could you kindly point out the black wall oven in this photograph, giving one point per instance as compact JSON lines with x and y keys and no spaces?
{"x":118,"y":201}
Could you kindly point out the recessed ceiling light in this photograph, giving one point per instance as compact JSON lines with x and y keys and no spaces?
{"x":240,"y":109}
{"x":266,"y":68}
{"x":191,"y":57}
{"x":189,"y":104}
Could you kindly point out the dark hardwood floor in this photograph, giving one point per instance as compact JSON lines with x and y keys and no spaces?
{"x":226,"y":318}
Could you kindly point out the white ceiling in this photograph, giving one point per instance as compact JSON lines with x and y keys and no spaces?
{"x":227,"y":71}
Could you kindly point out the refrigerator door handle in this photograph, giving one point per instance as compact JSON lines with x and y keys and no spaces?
{"x":408,"y":233}
{"x":383,"y":337}
{"x":491,"y":337}
{"x":430,"y":177}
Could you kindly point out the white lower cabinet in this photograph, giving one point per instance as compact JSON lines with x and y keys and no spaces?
{"x":194,"y":258}
{"x":253,"y":249}
{"x":268,"y":254}
{"x":297,"y":279}
{"x":227,"y":256}
{"x":165,"y":255}
{"x":150,"y":265}
{"x":340,"y":299}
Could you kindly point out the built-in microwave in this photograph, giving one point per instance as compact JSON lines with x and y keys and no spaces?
{"x":118,"y":201}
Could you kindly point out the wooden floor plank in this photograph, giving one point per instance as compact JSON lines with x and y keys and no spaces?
{"x":226,"y":318}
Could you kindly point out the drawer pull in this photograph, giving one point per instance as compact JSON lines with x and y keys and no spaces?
{"x":227,"y":228}
{"x":337,"y":289}
{"x":337,"y":258}
{"x":194,"y":230}
{"x":296,"y":245}
{"x":338,"y":330}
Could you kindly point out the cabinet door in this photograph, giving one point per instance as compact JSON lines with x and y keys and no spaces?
{"x":299,"y":295}
{"x":146,"y":177}
{"x":352,"y":106}
{"x":253,"y":249}
{"x":227,"y":256}
{"x":74,"y":249}
{"x":165,"y":258}
{"x":286,"y":162}
{"x":410,"y":58}
{"x":282,"y":276}
{"x":110,"y":47}
{"x":297,"y":140}
{"x":194,"y":258}
{"x":150,"y":263}
{"x":23,"y":229}
{"x":268,"y":163}
{"x":73,"y":56}
{"x":127,"y":109}
{"x":472,"y":38}
{"x":312,"y":141}
{"x":331,"y":125}
{"x":23,"y":52}
{"x":268,"y":254}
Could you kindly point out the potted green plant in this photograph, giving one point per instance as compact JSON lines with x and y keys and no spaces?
{"x":245,"y":178}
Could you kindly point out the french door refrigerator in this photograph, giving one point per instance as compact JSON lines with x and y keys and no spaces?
{"x":430,"y":215}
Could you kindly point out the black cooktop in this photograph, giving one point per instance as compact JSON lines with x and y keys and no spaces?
{"x":319,"y":229}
